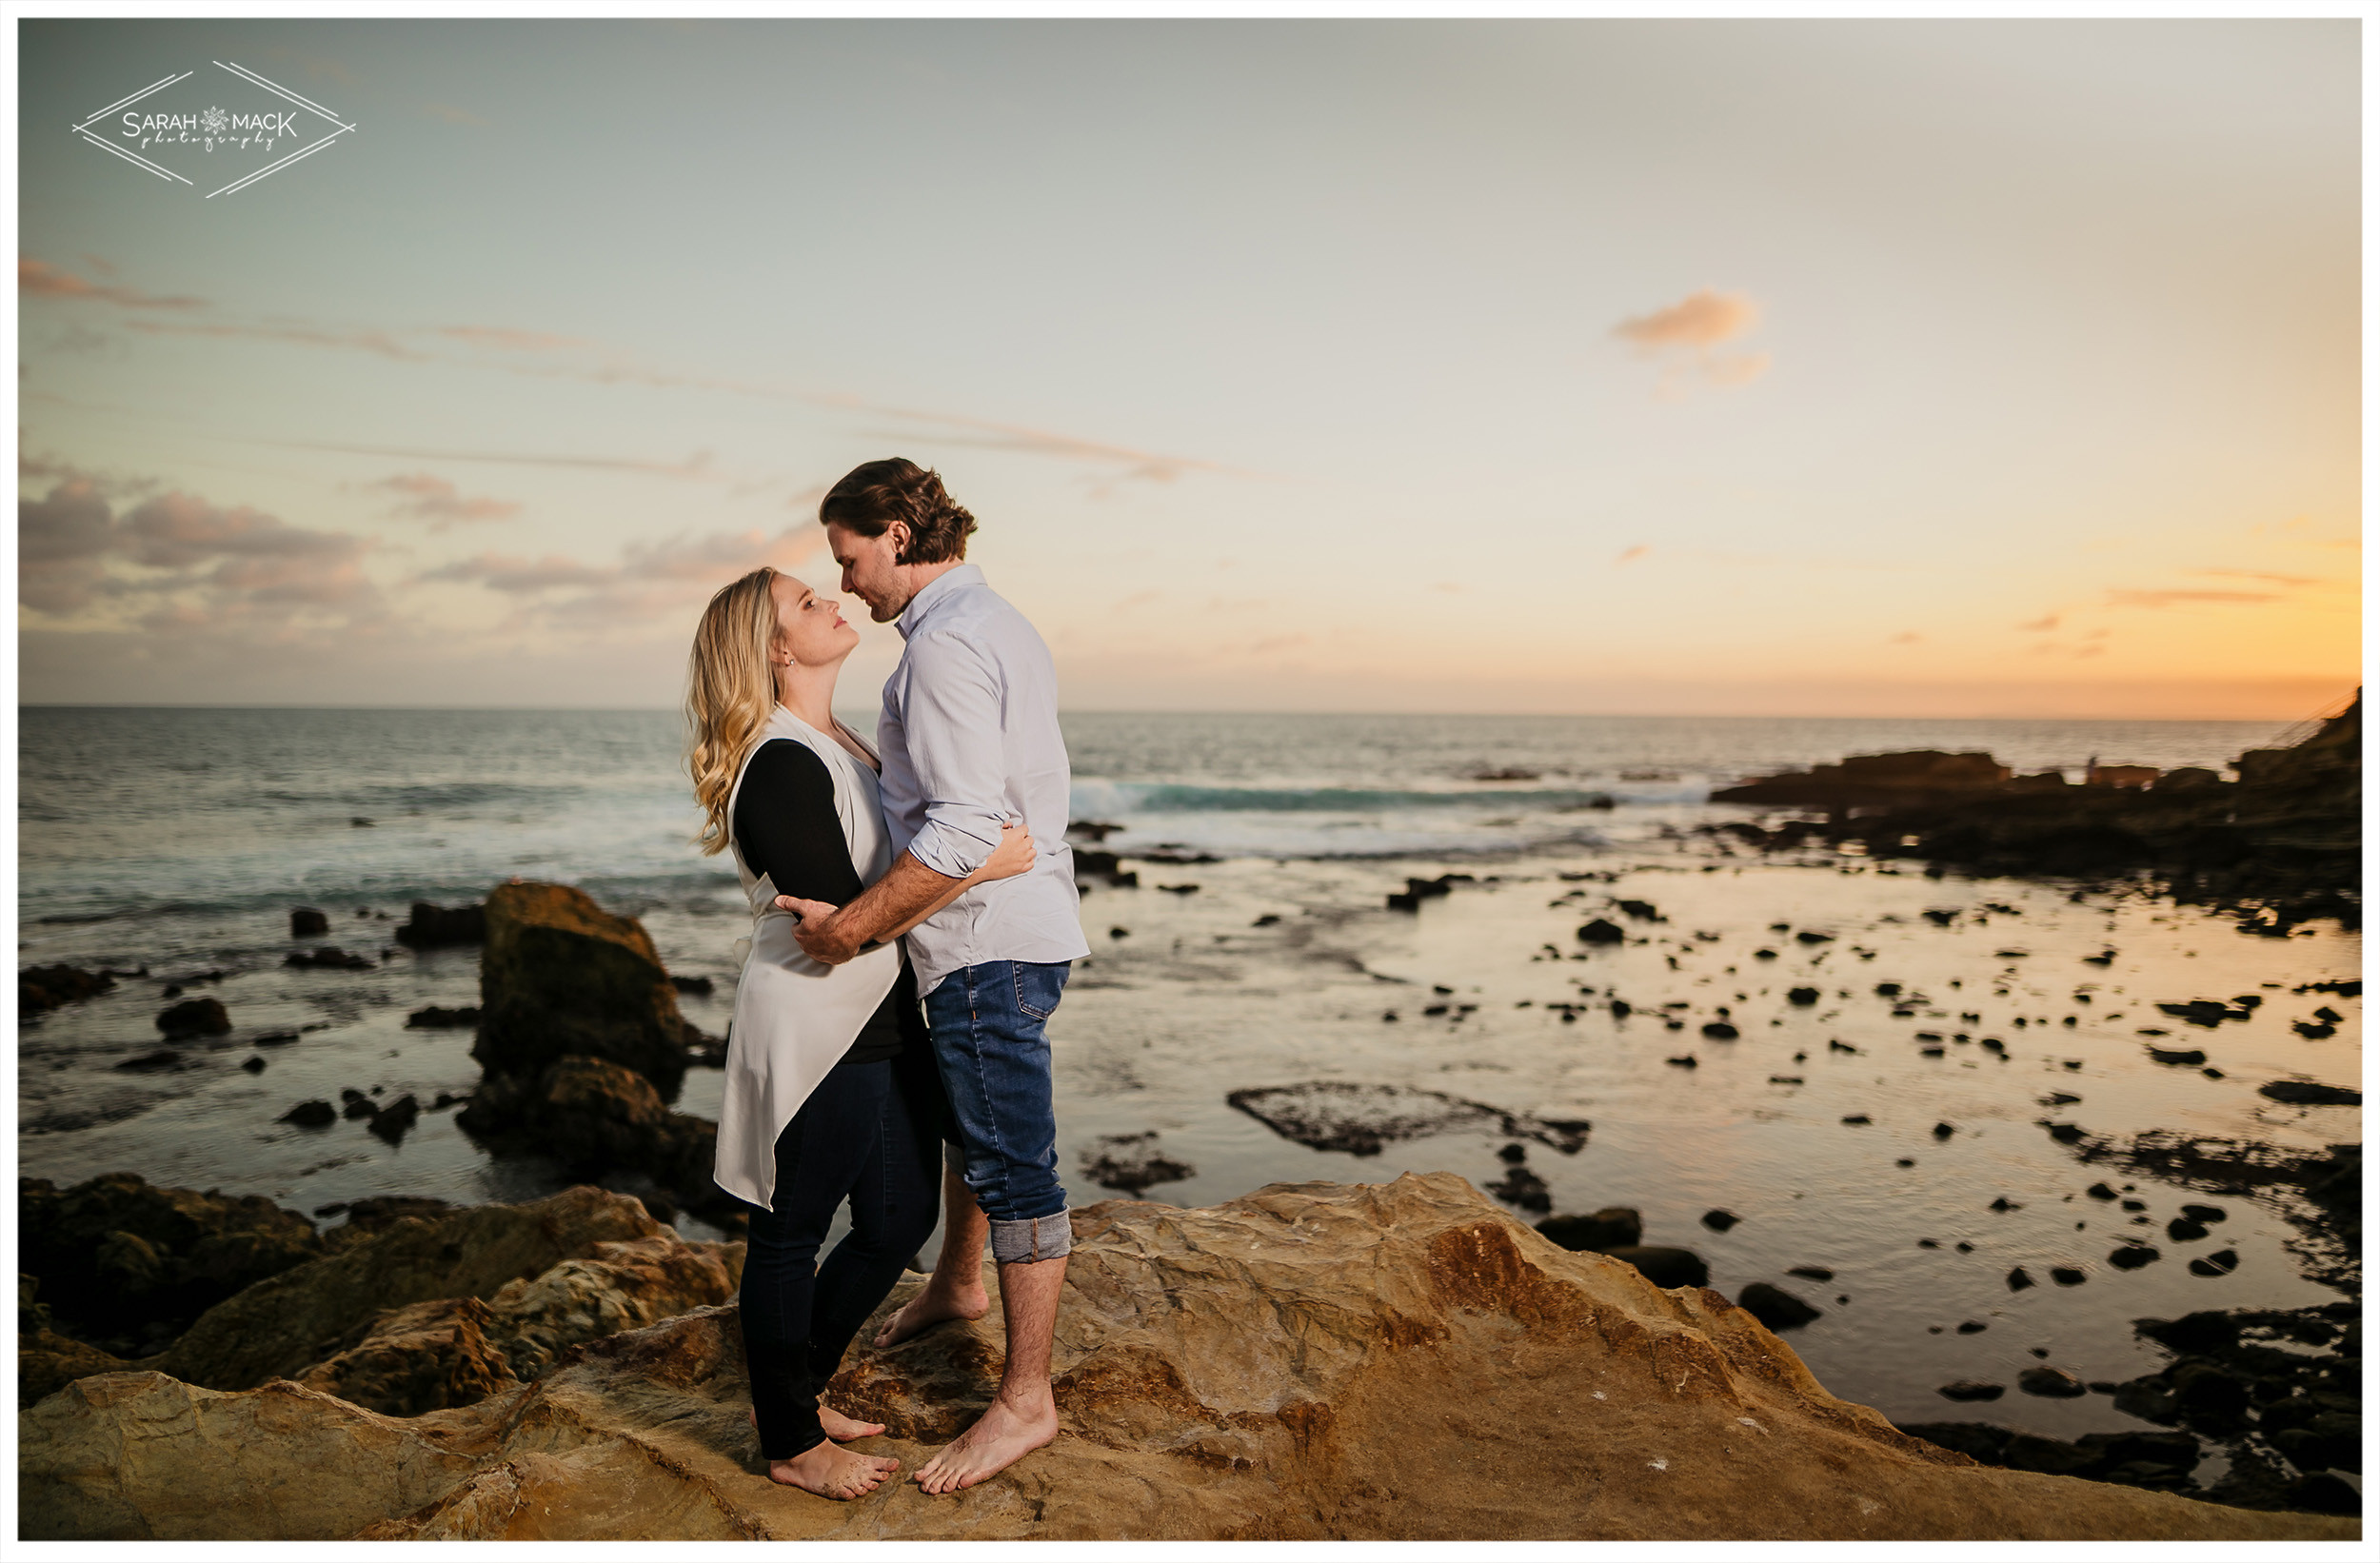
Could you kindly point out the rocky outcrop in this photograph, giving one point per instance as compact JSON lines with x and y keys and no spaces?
{"x":283,"y":1326}
{"x":595,"y":1116}
{"x":42,"y":988}
{"x":124,"y":1264}
{"x":1312,"y":1360}
{"x":434,"y":927}
{"x":560,"y":976}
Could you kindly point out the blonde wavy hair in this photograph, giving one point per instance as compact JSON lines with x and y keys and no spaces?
{"x":730,"y":693}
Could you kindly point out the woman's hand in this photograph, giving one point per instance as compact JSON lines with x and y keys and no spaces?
{"x":1014,"y":855}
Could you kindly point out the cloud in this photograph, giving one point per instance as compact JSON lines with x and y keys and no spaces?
{"x":1630,"y":555}
{"x":1683,"y":335}
{"x":177,"y":560}
{"x":364,"y":340}
{"x":695,"y":465}
{"x":1701,"y":320}
{"x":425,"y":496}
{"x":512,"y":337}
{"x":45,"y":281}
{"x":452,"y":115}
{"x":2126,"y":599}
{"x":501,"y":572}
{"x":1907,"y":637}
{"x":2261,"y":574}
{"x":652,"y":582}
{"x":2046,"y":622}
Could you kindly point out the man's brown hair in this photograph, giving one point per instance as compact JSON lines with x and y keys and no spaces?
{"x":875,"y":494}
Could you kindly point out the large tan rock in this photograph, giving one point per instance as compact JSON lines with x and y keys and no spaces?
{"x":285,"y":1325}
{"x":559,"y":975}
{"x":1400,"y":1360}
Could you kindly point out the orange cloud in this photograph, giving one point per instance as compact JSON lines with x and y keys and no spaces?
{"x":43,"y":279}
{"x":1629,"y":555}
{"x":427,"y":497}
{"x":1701,"y":320}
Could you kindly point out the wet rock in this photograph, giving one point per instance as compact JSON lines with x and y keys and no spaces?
{"x":1972,"y":1389}
{"x":1361,"y":1118}
{"x":2133,"y":1255}
{"x":1857,"y":1117}
{"x":2052,"y":1383}
{"x":1973,"y":1327}
{"x":2188,"y":1056}
{"x":1801,"y":996}
{"x":1613,"y":1227}
{"x":253,"y":1063}
{"x":432,"y":1016}
{"x":1523,"y":1189}
{"x":2311,"y":1094}
{"x":1776,"y":1306}
{"x":560,"y":976}
{"x":2221,"y":1263}
{"x":118,"y":1257}
{"x":1601,"y":930}
{"x":391,"y":1122}
{"x":1719,"y":1220}
{"x":1943,"y":1131}
{"x":1666,"y":1268}
{"x":2181,"y":1230}
{"x":310,"y":1114}
{"x":701,"y":987}
{"x":1811,"y":1272}
{"x":2019,"y":1280}
{"x":1719,"y":1031}
{"x":307,"y":922}
{"x":1685,"y":1060}
{"x":328,"y":958}
{"x":433,"y":927}
{"x":150,"y":1063}
{"x":194,"y":1018}
{"x":43,"y":988}
{"x":2066,"y":1274}
{"x":1130,"y":1163}
{"x":594,"y":1115}
{"x":2204,"y":1214}
{"x":1641,"y":910}
{"x":1178,"y":1423}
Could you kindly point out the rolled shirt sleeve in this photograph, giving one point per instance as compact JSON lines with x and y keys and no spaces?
{"x":952,"y":714}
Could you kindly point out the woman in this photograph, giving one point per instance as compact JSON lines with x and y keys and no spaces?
{"x":831,"y":1090}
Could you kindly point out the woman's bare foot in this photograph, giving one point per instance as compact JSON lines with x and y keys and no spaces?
{"x":835,"y":1424}
{"x":833,"y":1472}
{"x":931,"y":1306}
{"x":1000,"y":1438}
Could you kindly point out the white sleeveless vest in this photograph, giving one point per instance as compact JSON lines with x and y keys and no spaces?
{"x":795,"y":1018}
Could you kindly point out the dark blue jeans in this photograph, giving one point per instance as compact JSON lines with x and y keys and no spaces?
{"x":987,"y":1022}
{"x":857,"y":1136}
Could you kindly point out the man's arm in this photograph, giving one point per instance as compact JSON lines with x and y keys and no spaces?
{"x":831,"y":935}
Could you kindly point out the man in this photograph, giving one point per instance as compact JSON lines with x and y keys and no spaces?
{"x":969,"y":738}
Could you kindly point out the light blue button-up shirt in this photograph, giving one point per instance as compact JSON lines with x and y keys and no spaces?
{"x":969,"y":738}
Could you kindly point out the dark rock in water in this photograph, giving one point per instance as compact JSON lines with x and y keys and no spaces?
{"x":149,"y":1063}
{"x":1130,"y":1163}
{"x":595,"y":1116}
{"x":391,"y":1121}
{"x":1774,"y":1307}
{"x":1686,"y":1061}
{"x":1812,"y":936}
{"x":307,"y":922}
{"x":2052,"y":1383}
{"x":2208,"y":1012}
{"x":1641,"y":910}
{"x":196,"y":1018}
{"x":1973,"y":1327}
{"x":358,"y":1106}
{"x":1514,"y":1153}
{"x":2066,"y":1274}
{"x":1091,"y":830}
{"x":1857,"y":1117}
{"x":1400,"y":901}
{"x":1267,"y":920}
{"x":1179,"y":889}
{"x":2205,"y":1213}
{"x":2221,"y":1263}
{"x":2005,"y":1204}
{"x":1719,"y":1220}
{"x":560,"y":976}
{"x":434,"y":1017}
{"x":1811,"y":1272}
{"x":1719,"y":1031}
{"x":253,"y":1063}
{"x":1801,"y":996}
{"x":43,"y":988}
{"x":1359,"y":1118}
{"x":1943,"y":1131}
{"x":700,"y":987}
{"x":2208,"y":1395}
{"x":2133,"y":1255}
{"x":1663,"y":1267}
{"x":2181,"y":1230}
{"x":2311,"y":1094}
{"x":2188,"y":1057}
{"x":119,"y":1258}
{"x":1524,"y":1190}
{"x":1614,"y":1227}
{"x":2066,"y":1134}
{"x":328,"y":958}
{"x":274,"y":1039}
{"x":378,"y":1214}
{"x":1941,"y":917}
{"x":2100,"y":1191}
{"x":2019,"y":1278}
{"x":434,"y":927}
{"x":1602,"y":931}
{"x":310,"y":1114}
{"x":1970,"y":1389}
{"x":2315,"y":1030}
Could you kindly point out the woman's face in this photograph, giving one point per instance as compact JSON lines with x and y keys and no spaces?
{"x":809,"y":628}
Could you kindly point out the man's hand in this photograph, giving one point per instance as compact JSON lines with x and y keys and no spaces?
{"x":815,"y":930}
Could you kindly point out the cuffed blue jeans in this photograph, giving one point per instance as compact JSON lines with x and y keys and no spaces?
{"x":987,"y":1024}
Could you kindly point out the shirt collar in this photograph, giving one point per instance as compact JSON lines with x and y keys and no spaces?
{"x":933,"y":592}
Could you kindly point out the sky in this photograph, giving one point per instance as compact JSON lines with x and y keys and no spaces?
{"x":1729,"y":367}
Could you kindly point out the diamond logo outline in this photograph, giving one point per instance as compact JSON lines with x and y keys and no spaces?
{"x":252,"y":77}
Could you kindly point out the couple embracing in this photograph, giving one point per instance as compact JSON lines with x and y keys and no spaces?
{"x":914,"y":922}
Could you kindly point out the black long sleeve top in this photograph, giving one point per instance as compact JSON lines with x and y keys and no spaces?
{"x":786,"y":827}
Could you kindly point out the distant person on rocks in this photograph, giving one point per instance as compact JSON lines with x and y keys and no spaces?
{"x":970,"y":739}
{"x":832,"y":1091}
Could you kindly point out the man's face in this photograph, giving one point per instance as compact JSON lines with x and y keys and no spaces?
{"x":868,"y":571}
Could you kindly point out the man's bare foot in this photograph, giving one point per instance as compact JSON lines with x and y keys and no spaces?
{"x":932,"y":1306}
{"x":1000,"y":1438}
{"x":835,"y":1424}
{"x":832,"y":1472}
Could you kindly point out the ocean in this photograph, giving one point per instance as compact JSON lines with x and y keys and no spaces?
{"x":1259,"y":953}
